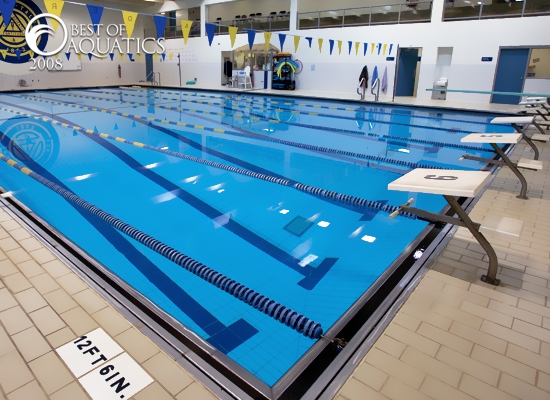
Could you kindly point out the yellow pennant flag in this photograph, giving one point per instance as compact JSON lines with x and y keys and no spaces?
{"x":320,"y":40}
{"x":185,"y":28}
{"x":121,"y":56}
{"x":129,"y":18}
{"x":339,"y":47}
{"x":357,"y":44}
{"x":155,"y":57}
{"x":54,"y":7}
{"x":170,"y":56}
{"x":372,"y":48}
{"x":79,"y":55}
{"x":267,"y":39}
{"x":296,"y":43}
{"x":139,"y":56}
{"x":233,"y":34}
{"x":385,"y":45}
{"x":56,"y":56}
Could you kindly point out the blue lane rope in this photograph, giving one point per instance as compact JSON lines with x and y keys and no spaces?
{"x":285,"y":315}
{"x":358,"y":201}
{"x":329,"y":150}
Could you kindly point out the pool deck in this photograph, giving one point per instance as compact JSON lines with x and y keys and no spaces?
{"x":454,"y":338}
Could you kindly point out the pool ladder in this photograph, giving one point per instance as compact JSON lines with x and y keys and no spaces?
{"x":376,"y":85}
{"x":361,"y":89}
{"x":152,"y":77}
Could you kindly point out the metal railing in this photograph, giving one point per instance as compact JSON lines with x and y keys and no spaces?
{"x":174,"y":32}
{"x":408,"y":12}
{"x":279,"y":22}
{"x":485,"y":9}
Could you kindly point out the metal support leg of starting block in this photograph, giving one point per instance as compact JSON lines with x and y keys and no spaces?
{"x":526,"y":138}
{"x":464,"y":221}
{"x":505,"y":161}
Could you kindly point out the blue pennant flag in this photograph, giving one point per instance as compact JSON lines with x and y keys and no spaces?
{"x":163,"y":56}
{"x":350,"y":44}
{"x":251,"y":36}
{"x":95,"y":15}
{"x":90,"y":55}
{"x":68,"y":55}
{"x":365,"y":47}
{"x":282,"y":38}
{"x":210,"y":30}
{"x":44,"y":57}
{"x":134,"y":124}
{"x":18,"y":53}
{"x":130,"y":56}
{"x":374,"y":75}
{"x":75,"y":133}
{"x":6,"y":8}
{"x":95,"y":129}
{"x":111,"y":56}
{"x":379,"y":48}
{"x":330,"y":45}
{"x":116,"y":127}
{"x":309,"y":41}
{"x":391,"y":46}
{"x":160,"y":24}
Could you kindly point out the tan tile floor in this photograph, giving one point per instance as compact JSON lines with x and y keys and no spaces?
{"x":459,"y":338}
{"x":455,"y":338}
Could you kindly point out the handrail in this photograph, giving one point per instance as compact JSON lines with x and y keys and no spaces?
{"x":377,"y":85}
{"x":362,"y":93}
{"x":525,"y":8}
{"x":153,"y":80}
{"x":158,"y":84}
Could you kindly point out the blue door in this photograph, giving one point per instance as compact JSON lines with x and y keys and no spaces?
{"x":511,"y":68}
{"x":406,"y":72}
{"x":149,"y":67}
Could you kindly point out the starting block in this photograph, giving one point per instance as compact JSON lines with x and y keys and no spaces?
{"x":525,"y":121}
{"x":493,"y":139}
{"x":449,"y":183}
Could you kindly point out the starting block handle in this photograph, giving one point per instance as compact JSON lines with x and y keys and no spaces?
{"x":396,"y":212}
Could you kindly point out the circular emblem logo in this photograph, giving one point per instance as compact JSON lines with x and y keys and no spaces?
{"x":13,"y":45}
{"x":30,"y":141}
{"x":34,"y":32}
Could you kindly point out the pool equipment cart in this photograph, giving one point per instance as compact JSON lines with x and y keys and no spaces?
{"x":511,"y":138}
{"x":283,"y":72}
{"x":449,"y":183}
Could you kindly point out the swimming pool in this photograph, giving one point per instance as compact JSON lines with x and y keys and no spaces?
{"x":255,"y":221}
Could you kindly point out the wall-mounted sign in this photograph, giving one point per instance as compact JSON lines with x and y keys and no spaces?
{"x":390,"y":58}
{"x":486,"y":58}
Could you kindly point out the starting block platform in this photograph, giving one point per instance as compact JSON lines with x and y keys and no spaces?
{"x":524,"y":121}
{"x":449,"y":183}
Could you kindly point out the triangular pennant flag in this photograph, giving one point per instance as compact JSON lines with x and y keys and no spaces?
{"x":95,"y":15}
{"x":233,"y":34}
{"x":210,"y":30}
{"x":90,"y":55}
{"x":54,"y":7}
{"x":365,"y":47}
{"x":44,"y":57}
{"x":134,"y":124}
{"x":350,"y":44}
{"x":185,"y":29}
{"x":68,"y":55}
{"x":18,"y":53}
{"x":75,"y":133}
{"x":4,"y":52}
{"x":112,"y":55}
{"x":282,"y":38}
{"x":267,"y":39}
{"x":129,"y":18}
{"x":116,"y":127}
{"x":296,"y":43}
{"x":330,"y":45}
{"x":374,"y":75}
{"x":56,"y":56}
{"x":309,"y":41}
{"x":379,"y":48}
{"x":6,"y":8}
{"x":357,"y":44}
{"x":339,"y":47}
{"x":95,"y":129}
{"x":155,"y":57}
{"x":163,"y":56}
{"x":391,"y":46}
{"x":139,"y":56}
{"x":385,"y":46}
{"x":372,"y":48}
{"x":79,"y":55}
{"x":320,"y":41}
{"x":251,"y":36}
{"x":130,"y":55}
{"x":121,"y":56}
{"x":160,"y":24}
{"x":170,"y":56}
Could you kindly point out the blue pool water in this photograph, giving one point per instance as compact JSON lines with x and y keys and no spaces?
{"x":237,"y":208}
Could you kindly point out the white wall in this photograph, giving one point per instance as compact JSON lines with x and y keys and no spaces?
{"x":340,"y":73}
{"x":95,"y":72}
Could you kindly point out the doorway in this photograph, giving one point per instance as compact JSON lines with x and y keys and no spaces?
{"x":149,"y":68}
{"x":510,"y":75}
{"x":408,"y":70}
